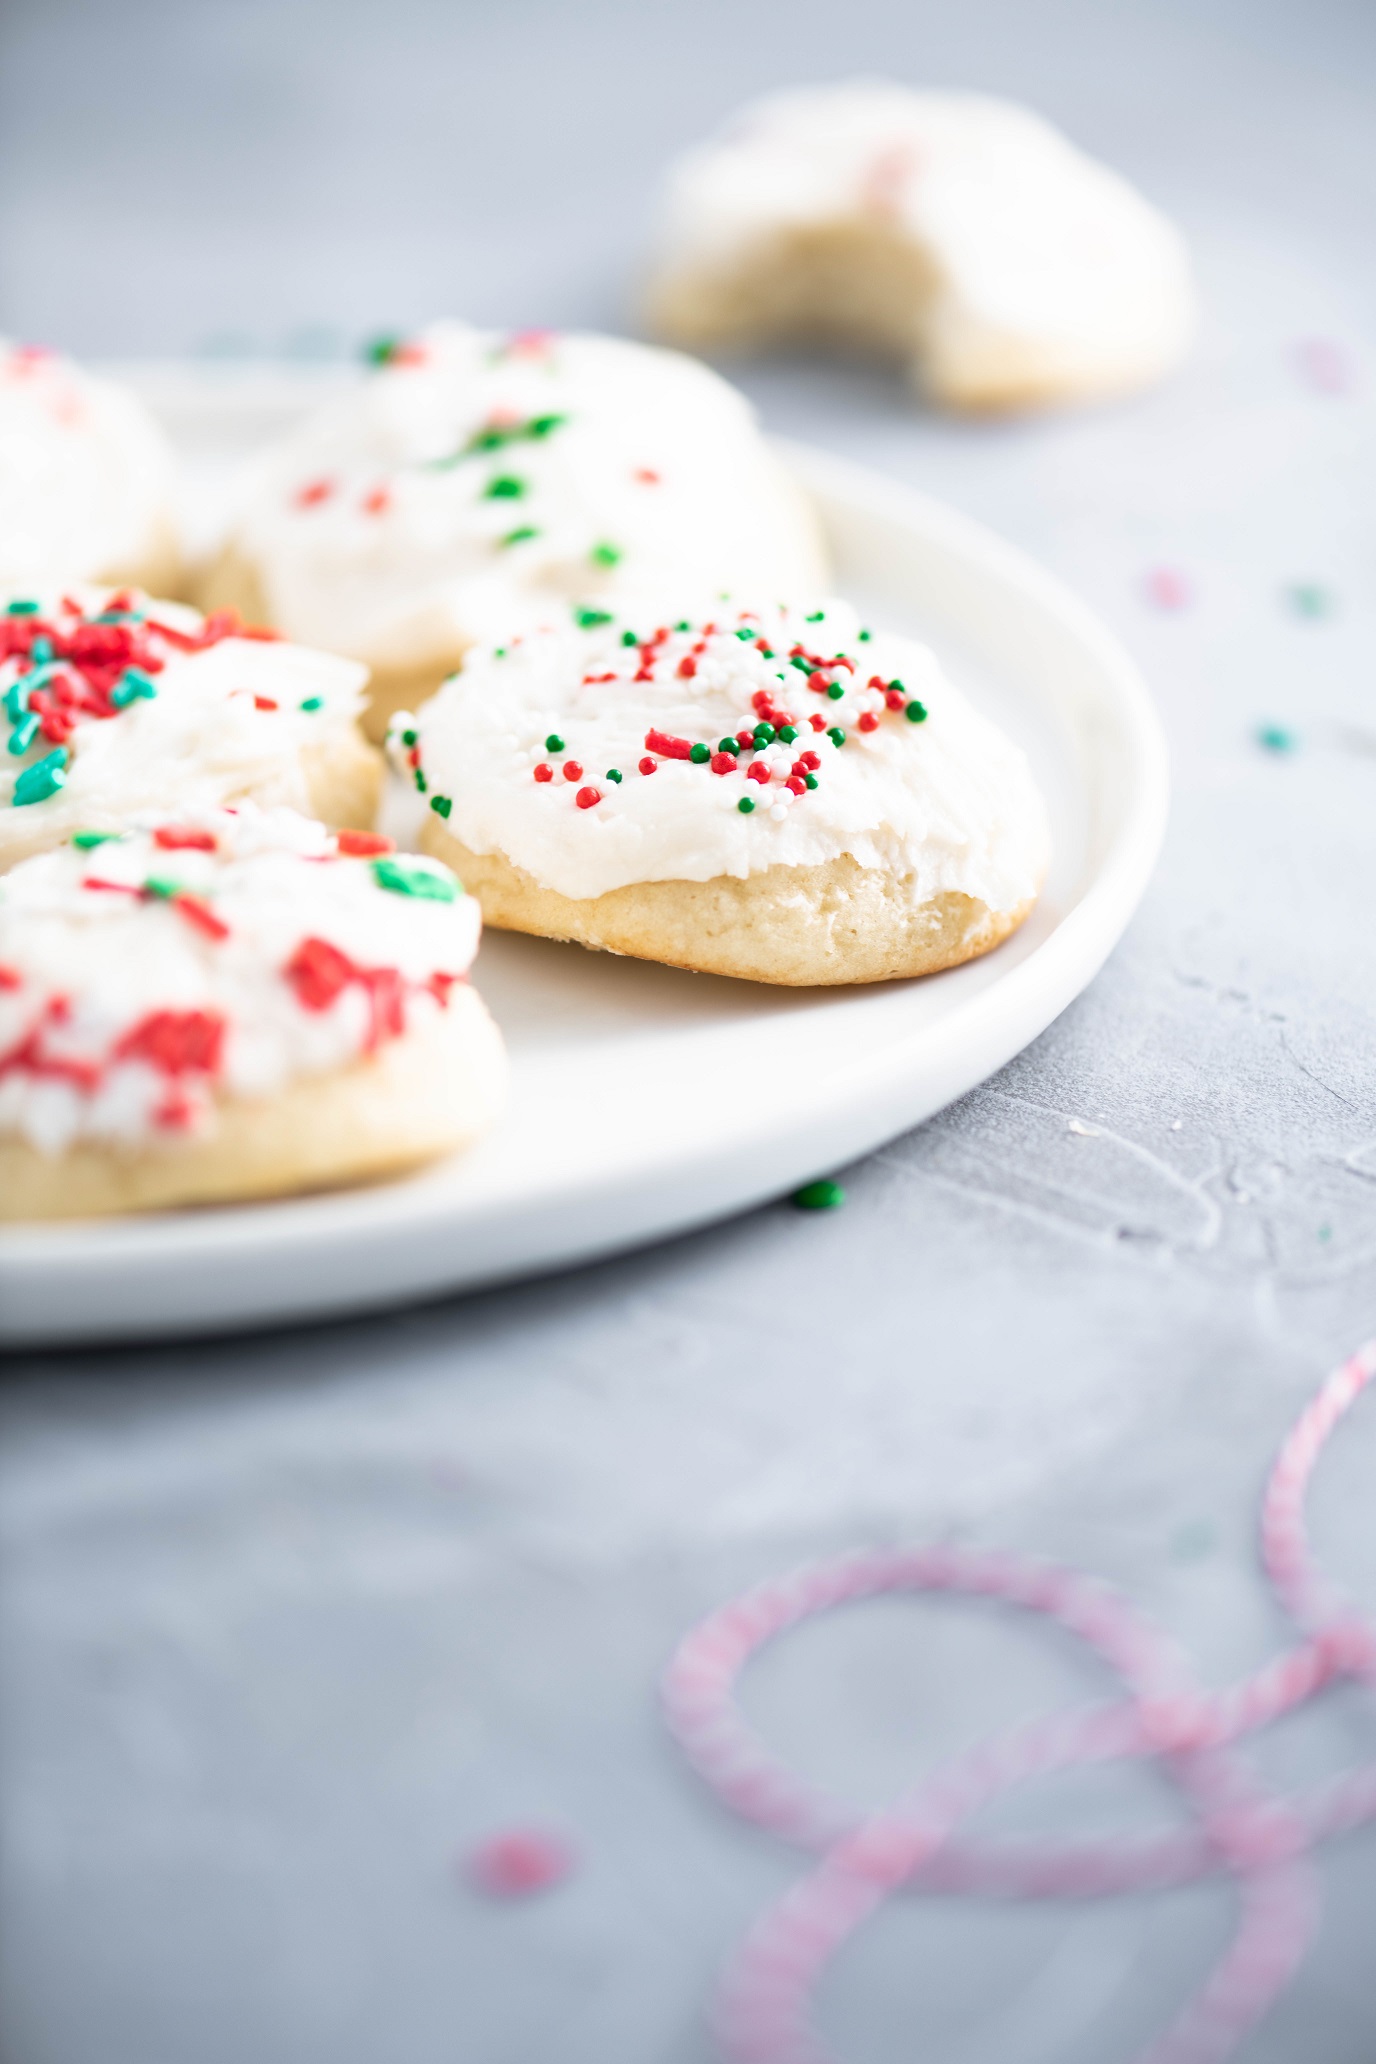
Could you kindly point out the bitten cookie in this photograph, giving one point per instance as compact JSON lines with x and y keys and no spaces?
{"x":960,"y":234}
{"x":111,"y":704}
{"x":476,"y":485}
{"x":228,"y":1004}
{"x":86,"y":478}
{"x":775,"y":794}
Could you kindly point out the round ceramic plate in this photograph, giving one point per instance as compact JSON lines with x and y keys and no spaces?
{"x":644,"y":1100}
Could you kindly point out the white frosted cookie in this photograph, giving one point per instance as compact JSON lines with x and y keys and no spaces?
{"x":476,"y":484}
{"x":86,"y":478}
{"x":779,"y":794}
{"x":111,"y":704}
{"x":229,"y":1004}
{"x":962,"y":234}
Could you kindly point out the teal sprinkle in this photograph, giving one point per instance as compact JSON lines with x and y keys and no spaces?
{"x":21,"y":609}
{"x":432,"y":885}
{"x":41,"y":651}
{"x":441,"y":805}
{"x":133,"y":685}
{"x":819,"y":1196}
{"x":313,"y":702}
{"x":16,"y":700}
{"x":84,"y":840}
{"x":1307,"y":598}
{"x":588,"y":619}
{"x":23,"y":735}
{"x":1276,"y":738}
{"x":43,"y":779}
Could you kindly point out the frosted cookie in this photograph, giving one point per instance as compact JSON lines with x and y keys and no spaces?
{"x":111,"y":704}
{"x":229,"y":1004}
{"x":775,"y":794}
{"x":962,"y":235}
{"x":86,"y":478}
{"x":476,"y":485}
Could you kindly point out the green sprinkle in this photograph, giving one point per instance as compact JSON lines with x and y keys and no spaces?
{"x":836,"y":691}
{"x":896,"y":685}
{"x":819,"y":1196}
{"x":745,"y":806}
{"x":864,"y":637}
{"x":765,"y":734}
{"x":916,"y":712}
{"x":804,"y":666}
{"x":162,"y":886}
{"x":613,"y":773}
{"x":730,"y":745}
{"x":441,"y":805}
{"x":837,"y":735}
{"x":767,"y":652}
{"x":504,"y":487}
{"x":86,"y":839}
{"x":43,"y":779}
{"x":684,"y":626}
{"x":746,"y":636}
{"x":605,"y":555}
{"x":23,"y":735}
{"x":540,"y":426}
{"x":811,"y":780}
{"x":698,"y":753}
{"x":381,"y":349}
{"x":816,"y":616}
{"x":409,"y":738}
{"x":500,"y":652}
{"x":16,"y":700}
{"x":404,"y":879}
{"x":554,"y":743}
{"x":588,"y":619}
{"x":21,"y":609}
{"x":521,"y":534}
{"x":788,"y":733}
{"x":313,"y":702}
{"x":421,"y":783}
{"x":1276,"y":738}
{"x":629,"y":638}
{"x":1307,"y":598}
{"x":133,"y":685}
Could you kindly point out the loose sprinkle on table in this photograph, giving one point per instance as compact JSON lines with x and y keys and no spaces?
{"x":1276,"y":738}
{"x":824,"y":1195}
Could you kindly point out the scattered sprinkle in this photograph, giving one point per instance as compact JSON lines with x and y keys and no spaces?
{"x":409,"y":880}
{"x":824,"y":1195}
{"x":1276,"y":738}
{"x":519,"y":1862}
{"x":1307,"y":598}
{"x":1166,"y":587}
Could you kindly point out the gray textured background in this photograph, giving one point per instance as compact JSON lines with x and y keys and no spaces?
{"x":290,"y":1623}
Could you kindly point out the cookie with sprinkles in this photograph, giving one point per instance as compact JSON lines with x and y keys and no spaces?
{"x":232,"y":1003}
{"x":111,"y":704}
{"x":476,"y":484}
{"x":958,"y":234}
{"x":780,"y":794}
{"x":86,"y":478}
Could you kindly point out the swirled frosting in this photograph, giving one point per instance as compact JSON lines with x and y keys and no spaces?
{"x":217,"y":953}
{"x":86,"y":476}
{"x":476,"y":484}
{"x":631,"y":752}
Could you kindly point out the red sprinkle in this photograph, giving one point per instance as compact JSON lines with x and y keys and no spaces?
{"x":313,"y":493}
{"x":723,"y":763}
{"x":757,"y":771}
{"x":647,"y":765}
{"x":10,"y":978}
{"x":671,"y":748}
{"x":378,"y":502}
{"x":796,"y":784}
{"x":176,"y":1042}
{"x":586,"y":797}
{"x":648,"y":475}
{"x":869,"y":722}
{"x":522,"y":1861}
{"x":810,"y":761}
{"x":573,"y":770}
{"x":894,"y":697}
{"x":264,"y":702}
{"x":363,"y":845}
{"x":687,"y":668}
{"x":818,"y":683}
{"x":817,"y":721}
{"x":544,"y":772}
{"x":199,"y":913}
{"x":183,"y":838}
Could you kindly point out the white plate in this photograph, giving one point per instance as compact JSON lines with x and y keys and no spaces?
{"x":644,"y":1100}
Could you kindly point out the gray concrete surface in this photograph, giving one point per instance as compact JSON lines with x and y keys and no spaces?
{"x":289,"y":1623}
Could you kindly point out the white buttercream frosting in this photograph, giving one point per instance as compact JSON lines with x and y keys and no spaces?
{"x":226,"y":721}
{"x":1028,"y":242}
{"x":518,"y":742}
{"x":477,"y":484}
{"x":86,"y":476}
{"x":125,"y":1013}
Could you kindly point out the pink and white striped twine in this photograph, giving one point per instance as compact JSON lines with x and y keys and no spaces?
{"x":763,"y":2011}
